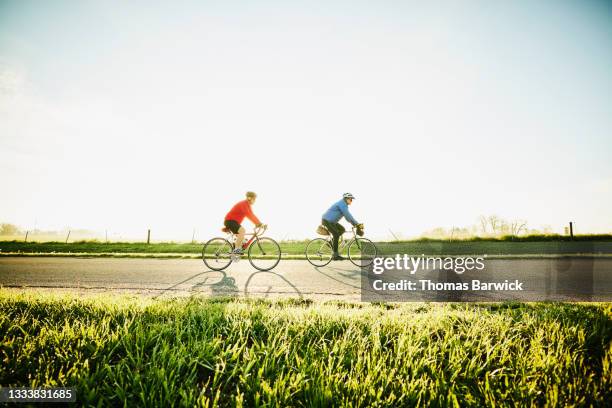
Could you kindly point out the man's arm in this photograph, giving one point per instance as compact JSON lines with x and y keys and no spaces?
{"x":249,"y":214}
{"x":347,"y":214}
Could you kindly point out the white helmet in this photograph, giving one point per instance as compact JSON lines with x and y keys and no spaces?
{"x":348,"y":195}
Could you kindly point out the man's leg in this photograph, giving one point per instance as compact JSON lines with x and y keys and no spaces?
{"x":336,"y":230}
{"x":335,"y":239}
{"x":240,"y":237}
{"x":339,"y":231}
{"x":335,"y":236}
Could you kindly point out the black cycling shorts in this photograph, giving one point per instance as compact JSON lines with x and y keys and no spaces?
{"x":334,"y":227}
{"x":232,"y":225}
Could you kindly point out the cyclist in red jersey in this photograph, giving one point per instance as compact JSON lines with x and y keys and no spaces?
{"x":236,"y":215}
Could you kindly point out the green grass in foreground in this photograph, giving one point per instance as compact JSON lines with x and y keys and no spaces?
{"x":426,"y":247}
{"x":133,"y":351}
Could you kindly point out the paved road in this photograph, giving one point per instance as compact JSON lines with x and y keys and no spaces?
{"x":291,"y":278}
{"x":171,"y":277}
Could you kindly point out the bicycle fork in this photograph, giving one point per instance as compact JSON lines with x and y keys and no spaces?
{"x":260,"y":247}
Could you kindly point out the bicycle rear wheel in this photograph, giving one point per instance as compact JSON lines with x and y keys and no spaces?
{"x":264,"y":254}
{"x":217,"y":253}
{"x":361,"y":252}
{"x":319,"y":252}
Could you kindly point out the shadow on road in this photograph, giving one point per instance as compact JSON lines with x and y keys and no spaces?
{"x":342,"y":272}
{"x":248,"y":282}
{"x":221,"y":281}
{"x":226,"y":287}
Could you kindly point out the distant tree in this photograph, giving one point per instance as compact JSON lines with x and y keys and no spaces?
{"x":517,"y":226}
{"x":547,"y":229}
{"x":483,"y":224}
{"x":486,"y":226}
{"x":463,"y":233}
{"x":495,"y":223}
{"x":472,"y":231}
{"x":9,"y":229}
{"x":437,"y":233}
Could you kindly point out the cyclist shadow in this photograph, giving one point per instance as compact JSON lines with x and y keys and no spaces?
{"x":226,"y":287}
{"x":269,"y":290}
{"x":218,"y":282}
{"x":346,"y":273}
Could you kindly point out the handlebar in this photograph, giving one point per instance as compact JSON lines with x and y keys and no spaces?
{"x":261,"y":229}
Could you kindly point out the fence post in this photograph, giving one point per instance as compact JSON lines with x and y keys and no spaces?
{"x":571,"y":230}
{"x":26,"y":237}
{"x":67,"y":236}
{"x":148,"y":236}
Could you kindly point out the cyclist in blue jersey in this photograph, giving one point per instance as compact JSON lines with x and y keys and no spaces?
{"x":332,"y":217}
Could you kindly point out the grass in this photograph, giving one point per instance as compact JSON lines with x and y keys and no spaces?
{"x":206,"y":352}
{"x":418,"y":247}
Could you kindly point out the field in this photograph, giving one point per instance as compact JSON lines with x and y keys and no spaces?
{"x":207,"y":352}
{"x":296,"y":248}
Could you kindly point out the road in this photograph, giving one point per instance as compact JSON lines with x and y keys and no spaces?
{"x":181,"y":277}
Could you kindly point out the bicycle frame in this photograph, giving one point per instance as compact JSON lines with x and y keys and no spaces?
{"x":257,"y":232}
{"x":343,"y":243}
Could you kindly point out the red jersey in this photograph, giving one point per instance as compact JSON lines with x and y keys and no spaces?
{"x":241,"y":210}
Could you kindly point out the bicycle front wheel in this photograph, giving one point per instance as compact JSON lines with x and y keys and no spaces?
{"x":361,"y":252}
{"x":319,"y":252}
{"x":264,"y":254}
{"x":217,"y":253}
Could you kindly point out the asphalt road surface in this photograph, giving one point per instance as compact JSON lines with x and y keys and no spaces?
{"x":291,"y":278}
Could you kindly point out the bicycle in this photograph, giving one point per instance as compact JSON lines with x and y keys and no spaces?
{"x":264,"y":253}
{"x":361,"y":251}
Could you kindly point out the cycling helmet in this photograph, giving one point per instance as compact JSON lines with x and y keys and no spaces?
{"x":348,"y":195}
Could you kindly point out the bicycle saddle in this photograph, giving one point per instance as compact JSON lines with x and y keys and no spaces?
{"x":225,"y":229}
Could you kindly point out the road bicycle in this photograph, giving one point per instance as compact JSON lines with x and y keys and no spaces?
{"x":361,"y":251}
{"x":264,"y":253}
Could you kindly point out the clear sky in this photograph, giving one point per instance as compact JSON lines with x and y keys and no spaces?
{"x":132,"y":115}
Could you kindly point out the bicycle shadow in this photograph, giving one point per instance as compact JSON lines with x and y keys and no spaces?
{"x":343,"y":272}
{"x":226,"y":287}
{"x":268,"y":292}
{"x":209,"y":280}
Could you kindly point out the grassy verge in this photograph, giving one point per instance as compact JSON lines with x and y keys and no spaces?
{"x":134,"y":351}
{"x":296,"y":249}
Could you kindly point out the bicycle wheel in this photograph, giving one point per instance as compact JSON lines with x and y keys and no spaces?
{"x":216,"y":254}
{"x":361,"y":252}
{"x":264,"y":254}
{"x":319,"y":252}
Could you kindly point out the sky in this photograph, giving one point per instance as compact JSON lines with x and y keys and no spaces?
{"x":124,"y":116}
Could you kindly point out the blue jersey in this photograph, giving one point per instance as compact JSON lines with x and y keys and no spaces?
{"x":337,"y":211}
